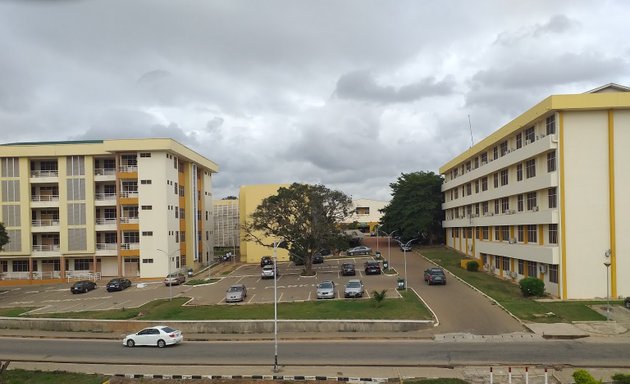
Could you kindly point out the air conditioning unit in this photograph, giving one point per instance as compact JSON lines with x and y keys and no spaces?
{"x":535,"y":209}
{"x":486,"y":267}
{"x":513,"y":274}
{"x":491,"y":213}
{"x":512,"y":241}
{"x":542,"y":268}
{"x":507,"y":212}
{"x":512,"y":212}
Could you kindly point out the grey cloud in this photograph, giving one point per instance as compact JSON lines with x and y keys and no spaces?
{"x":214,"y":124}
{"x":556,"y":25}
{"x":360,"y":85}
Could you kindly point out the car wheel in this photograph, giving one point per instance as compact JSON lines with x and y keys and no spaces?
{"x":161,"y":343}
{"x":85,"y":290}
{"x":131,"y":343}
{"x":627,"y":303}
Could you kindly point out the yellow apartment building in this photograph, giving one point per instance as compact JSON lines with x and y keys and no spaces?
{"x":86,"y":209}
{"x":547,"y":195}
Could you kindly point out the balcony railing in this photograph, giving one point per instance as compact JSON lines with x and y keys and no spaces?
{"x":104,"y":171}
{"x":36,"y":198}
{"x":128,"y":168}
{"x":129,"y":220}
{"x":106,"y":246}
{"x":105,"y":221}
{"x":45,"y":223}
{"x":105,"y":196}
{"x":45,"y":247}
{"x":129,"y":194}
{"x":130,"y":246}
{"x":43,"y":173}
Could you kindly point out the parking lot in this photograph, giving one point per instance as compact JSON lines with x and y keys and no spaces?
{"x":291,"y":287}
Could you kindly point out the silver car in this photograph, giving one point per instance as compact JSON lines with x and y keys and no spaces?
{"x":326,"y":290}
{"x":360,"y":250}
{"x":235,"y":293}
{"x":354,"y":288}
{"x":269,"y":272}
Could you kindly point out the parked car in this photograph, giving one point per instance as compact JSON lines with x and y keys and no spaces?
{"x":82,"y":286}
{"x":118,"y":284}
{"x":269,"y":272}
{"x":626,"y":302}
{"x":326,"y":290}
{"x":175,"y":278}
{"x":237,"y":292}
{"x":354,"y":288}
{"x":435,"y":276}
{"x":159,"y":336}
{"x":372,"y":268}
{"x":360,"y":250}
{"x":266,"y":260}
{"x":347,"y":269}
{"x":318,"y":258}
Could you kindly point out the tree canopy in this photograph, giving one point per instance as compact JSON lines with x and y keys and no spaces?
{"x":415,"y":210}
{"x":304,"y":217}
{"x":4,"y":237}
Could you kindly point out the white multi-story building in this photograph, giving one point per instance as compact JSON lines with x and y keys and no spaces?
{"x":547,"y":194}
{"x":135,"y":208}
{"x":366,"y":214}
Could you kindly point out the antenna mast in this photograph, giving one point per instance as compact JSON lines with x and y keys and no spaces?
{"x":472,"y":141}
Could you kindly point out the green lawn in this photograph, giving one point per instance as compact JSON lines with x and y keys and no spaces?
{"x":12,"y":312}
{"x":509,"y":294}
{"x":20,"y":376}
{"x":407,"y":308}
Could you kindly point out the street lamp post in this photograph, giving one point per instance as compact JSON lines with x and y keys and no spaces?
{"x":275,"y":305}
{"x":404,"y":247}
{"x":607,"y":265}
{"x":389,"y":248}
{"x":377,"y":227}
{"x":168,"y":260}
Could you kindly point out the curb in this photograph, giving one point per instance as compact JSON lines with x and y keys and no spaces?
{"x":346,"y":379}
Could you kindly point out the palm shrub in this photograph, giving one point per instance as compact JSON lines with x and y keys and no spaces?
{"x":621,"y":378}
{"x":472,"y":266}
{"x":581,"y":376}
{"x":531,"y":286}
{"x":378,"y":297}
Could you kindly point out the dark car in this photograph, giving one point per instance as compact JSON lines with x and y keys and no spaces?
{"x":266,"y":260}
{"x":347,"y":269}
{"x":82,"y":286}
{"x":318,"y":258}
{"x":372,"y":268}
{"x":435,"y":276}
{"x":626,"y":302}
{"x":117,"y":284}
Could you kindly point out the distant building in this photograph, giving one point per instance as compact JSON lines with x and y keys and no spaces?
{"x":366,"y":214}
{"x":226,"y":223}
{"x":134,"y":208}
{"x":546,"y":195}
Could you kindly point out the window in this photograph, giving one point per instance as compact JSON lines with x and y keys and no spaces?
{"x":147,"y":207}
{"x":147,"y":233}
{"x":532,"y":234}
{"x":20,"y":266}
{"x":505,"y":204}
{"x":477,"y":186}
{"x":519,"y":140}
{"x":174,"y":162}
{"x":519,"y":203}
{"x":147,"y":261}
{"x":182,"y":236}
{"x":175,"y":189}
{"x":504,"y":148}
{"x":145,"y":181}
{"x":182,"y":213}
{"x":496,"y":179}
{"x":521,"y":267}
{"x":81,"y":264}
{"x":476,"y":162}
{"x":145,"y":154}
{"x":553,"y":233}
{"x":553,"y":273}
{"x":176,"y":210}
{"x":497,"y":262}
{"x":532,"y":267}
{"x":477,"y":209}
{"x":456,"y":193}
{"x":468,"y":166}
{"x":506,"y":263}
{"x":553,"y":196}
{"x":497,"y":205}
{"x":177,"y":236}
{"x":497,"y":233}
{"x":484,"y":207}
{"x":505,"y":232}
{"x":530,"y":135}
{"x":484,"y":184}
{"x":551,"y":125}
{"x":181,"y":191}
{"x":530,"y":168}
{"x":495,"y":153}
{"x":468,"y":189}
{"x":531,"y":200}
{"x":520,"y":233}
{"x":504,"y":177}
{"x":551,"y":161}
{"x":484,"y":158}
{"x":519,"y":172}
{"x":484,"y":233}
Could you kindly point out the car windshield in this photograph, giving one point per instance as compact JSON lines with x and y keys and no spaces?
{"x":325,"y":285}
{"x":348,"y":265}
{"x":237,"y":289}
{"x":354,"y":284}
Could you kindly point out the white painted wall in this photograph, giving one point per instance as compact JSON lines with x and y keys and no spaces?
{"x":622,"y":200}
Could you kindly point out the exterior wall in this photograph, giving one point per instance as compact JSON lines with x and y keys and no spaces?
{"x":367,"y":221}
{"x":226,"y":223}
{"x":157,"y":200}
{"x":250,"y":197}
{"x":591,"y":177}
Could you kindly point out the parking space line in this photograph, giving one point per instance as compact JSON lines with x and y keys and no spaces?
{"x":280,"y":298}
{"x":251,"y":298}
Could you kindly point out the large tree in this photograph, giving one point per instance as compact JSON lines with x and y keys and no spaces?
{"x":4,"y":237}
{"x":305,"y":218}
{"x":415,"y":210}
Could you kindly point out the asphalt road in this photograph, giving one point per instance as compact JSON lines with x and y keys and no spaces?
{"x":324,"y":353}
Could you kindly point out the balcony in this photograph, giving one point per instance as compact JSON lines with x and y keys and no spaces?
{"x":46,"y":250}
{"x":104,"y":174}
{"x":129,"y":194}
{"x":128,"y":169}
{"x":547,"y":254}
{"x":105,"y":198}
{"x":44,"y":201}
{"x":106,"y":249}
{"x":545,"y":216}
{"x":105,"y":224}
{"x":130,"y":246}
{"x":129,"y":220}
{"x":45,"y":225}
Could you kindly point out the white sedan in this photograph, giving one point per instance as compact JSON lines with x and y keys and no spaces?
{"x":160,"y":336}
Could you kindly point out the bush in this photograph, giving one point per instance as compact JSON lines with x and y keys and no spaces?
{"x":582,"y":376}
{"x":531,"y":286}
{"x":472,"y":266}
{"x":621,"y":378}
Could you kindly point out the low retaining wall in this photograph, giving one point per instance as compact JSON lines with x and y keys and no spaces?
{"x":216,"y":326}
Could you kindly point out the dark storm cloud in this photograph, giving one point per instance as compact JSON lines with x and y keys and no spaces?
{"x":360,"y":85}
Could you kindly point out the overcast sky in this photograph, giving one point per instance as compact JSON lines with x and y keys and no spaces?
{"x":349,"y":94}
